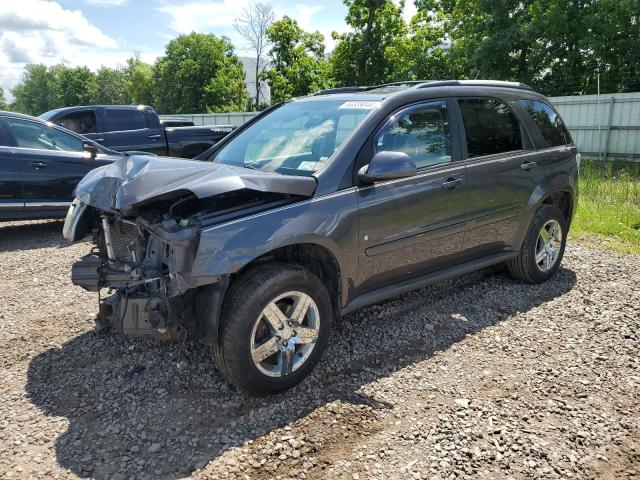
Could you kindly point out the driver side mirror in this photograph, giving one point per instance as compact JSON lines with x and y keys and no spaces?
{"x":387,"y":166}
{"x":91,"y":149}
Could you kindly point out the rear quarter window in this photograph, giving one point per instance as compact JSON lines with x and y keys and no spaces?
{"x":548,"y":122}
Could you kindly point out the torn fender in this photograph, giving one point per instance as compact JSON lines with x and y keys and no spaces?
{"x":134,"y":180}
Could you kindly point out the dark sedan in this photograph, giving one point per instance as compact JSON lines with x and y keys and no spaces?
{"x":41,"y":164}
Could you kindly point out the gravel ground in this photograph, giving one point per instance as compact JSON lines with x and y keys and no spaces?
{"x":477,"y":377}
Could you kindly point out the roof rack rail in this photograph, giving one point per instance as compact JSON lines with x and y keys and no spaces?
{"x":474,"y":83}
{"x":427,"y":84}
{"x":365,"y":88}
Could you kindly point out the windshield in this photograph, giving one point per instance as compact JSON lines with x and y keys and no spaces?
{"x":297,"y":138}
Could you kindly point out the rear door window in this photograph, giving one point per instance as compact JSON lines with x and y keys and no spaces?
{"x":125,"y":119}
{"x":490,"y":127}
{"x":548,"y":122}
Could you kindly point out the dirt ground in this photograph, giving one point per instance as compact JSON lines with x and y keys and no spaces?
{"x":477,"y":377}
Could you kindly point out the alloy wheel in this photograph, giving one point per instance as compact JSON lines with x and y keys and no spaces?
{"x":285,"y":334}
{"x":548,"y":245}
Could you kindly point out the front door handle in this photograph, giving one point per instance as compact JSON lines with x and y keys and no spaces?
{"x":38,"y":165}
{"x":155,"y":137}
{"x":452,"y":183}
{"x":528,"y":165}
{"x":99,"y":140}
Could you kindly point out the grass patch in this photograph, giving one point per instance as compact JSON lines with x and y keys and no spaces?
{"x":609,"y":204}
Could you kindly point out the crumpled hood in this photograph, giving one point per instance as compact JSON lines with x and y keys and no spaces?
{"x":133,"y":180}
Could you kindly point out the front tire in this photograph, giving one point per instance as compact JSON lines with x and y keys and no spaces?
{"x":275,"y":323}
{"x":543,"y":247}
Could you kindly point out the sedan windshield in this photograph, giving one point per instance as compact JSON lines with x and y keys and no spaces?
{"x":297,"y":138}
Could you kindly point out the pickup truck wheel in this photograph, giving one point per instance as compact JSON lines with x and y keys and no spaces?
{"x":543,"y":247}
{"x":275,"y":324}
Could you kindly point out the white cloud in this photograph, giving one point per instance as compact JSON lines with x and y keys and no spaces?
{"x":305,"y":13}
{"x":107,"y":3}
{"x":217,"y":17}
{"x":39,"y":31}
{"x":202,"y":16}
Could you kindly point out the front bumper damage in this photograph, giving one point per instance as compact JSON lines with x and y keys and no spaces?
{"x":146,"y":268}
{"x":146,"y":215}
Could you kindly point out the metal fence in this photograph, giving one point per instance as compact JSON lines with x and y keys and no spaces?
{"x":235,"y":118}
{"x":605,"y":127}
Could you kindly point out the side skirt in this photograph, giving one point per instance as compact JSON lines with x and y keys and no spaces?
{"x":381,"y":294}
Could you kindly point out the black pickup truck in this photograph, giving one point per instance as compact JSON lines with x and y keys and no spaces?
{"x":136,"y":127}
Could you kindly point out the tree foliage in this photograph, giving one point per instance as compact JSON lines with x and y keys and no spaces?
{"x":298,"y":66}
{"x":557,"y":46}
{"x":3,"y":101}
{"x":199,"y":73}
{"x":139,"y":81}
{"x":367,"y":55}
{"x":111,"y":87}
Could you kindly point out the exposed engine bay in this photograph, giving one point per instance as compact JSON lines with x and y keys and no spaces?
{"x":145,"y":258}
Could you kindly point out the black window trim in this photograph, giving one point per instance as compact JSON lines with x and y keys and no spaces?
{"x":4,"y":137}
{"x":524,"y":131}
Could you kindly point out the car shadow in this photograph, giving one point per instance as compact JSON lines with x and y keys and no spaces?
{"x":40,"y":234}
{"x":145,"y":409}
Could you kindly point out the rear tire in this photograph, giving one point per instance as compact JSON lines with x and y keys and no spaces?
{"x":543,"y":247}
{"x":263,"y":350}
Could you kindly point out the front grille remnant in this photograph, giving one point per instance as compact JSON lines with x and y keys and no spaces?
{"x":123,"y":236}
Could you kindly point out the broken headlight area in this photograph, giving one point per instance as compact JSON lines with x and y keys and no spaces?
{"x":146,"y":265}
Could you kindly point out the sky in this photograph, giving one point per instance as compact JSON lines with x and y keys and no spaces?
{"x":106,"y":32}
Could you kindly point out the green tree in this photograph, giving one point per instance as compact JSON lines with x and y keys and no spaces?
{"x":3,"y":101}
{"x":424,"y":53}
{"x":139,"y":81}
{"x":368,"y":54}
{"x":298,"y":66}
{"x":111,"y":87}
{"x":35,"y":93}
{"x":73,"y":85}
{"x":557,"y":46}
{"x":199,"y":73}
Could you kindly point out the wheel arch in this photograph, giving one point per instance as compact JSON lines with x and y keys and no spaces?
{"x":316,"y":258}
{"x":561,"y":199}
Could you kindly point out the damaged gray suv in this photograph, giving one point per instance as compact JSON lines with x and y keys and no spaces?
{"x":320,"y":206}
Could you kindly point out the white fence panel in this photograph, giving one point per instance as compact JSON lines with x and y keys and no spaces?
{"x":605,"y":127}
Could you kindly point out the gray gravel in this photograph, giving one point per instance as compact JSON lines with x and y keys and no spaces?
{"x":478,"y":377}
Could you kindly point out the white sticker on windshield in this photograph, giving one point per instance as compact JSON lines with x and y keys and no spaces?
{"x":307,"y":166}
{"x":360,"y":105}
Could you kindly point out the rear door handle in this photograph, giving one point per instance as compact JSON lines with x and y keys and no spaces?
{"x":528,"y":165}
{"x":154,"y":137}
{"x":99,"y":140}
{"x":452,"y":183}
{"x":38,"y":165}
